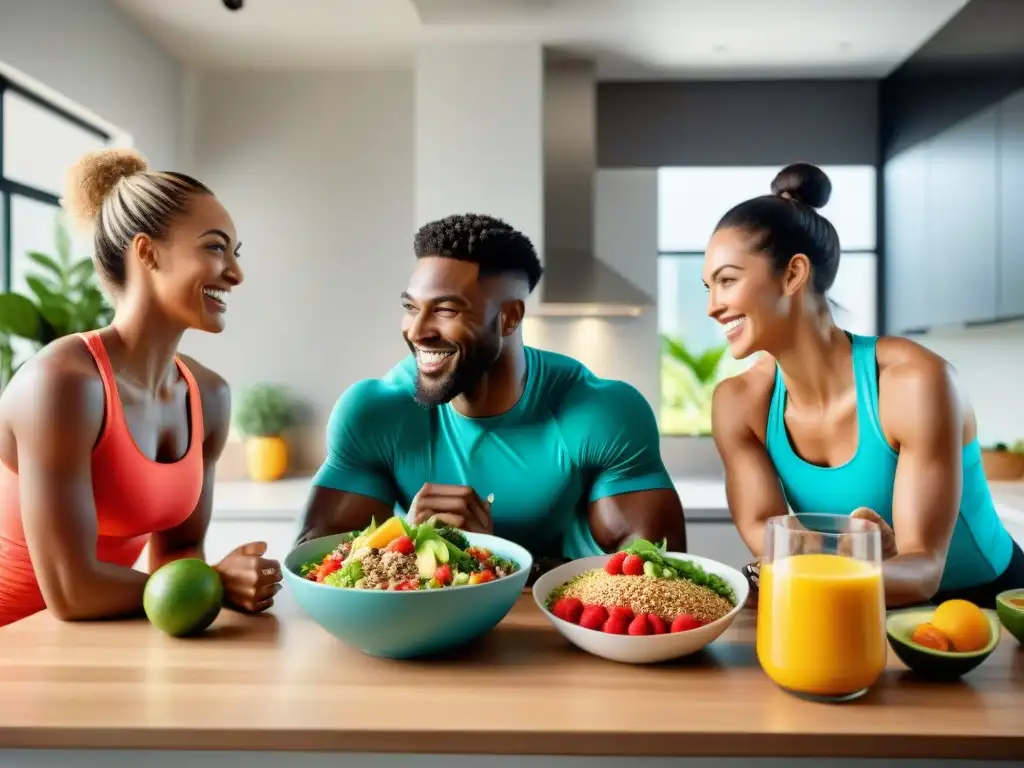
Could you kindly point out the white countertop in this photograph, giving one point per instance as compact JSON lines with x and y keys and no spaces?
{"x":285,"y":498}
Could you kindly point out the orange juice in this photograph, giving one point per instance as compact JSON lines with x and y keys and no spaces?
{"x":821,"y":624}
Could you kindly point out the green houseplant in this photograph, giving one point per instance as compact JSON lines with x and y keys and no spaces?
{"x":65,"y":299}
{"x":687,"y":382}
{"x":262,"y":415}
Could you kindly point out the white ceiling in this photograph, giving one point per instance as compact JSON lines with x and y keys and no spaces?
{"x":630,"y":39}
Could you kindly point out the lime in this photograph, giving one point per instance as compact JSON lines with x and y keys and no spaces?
{"x":183,"y":597}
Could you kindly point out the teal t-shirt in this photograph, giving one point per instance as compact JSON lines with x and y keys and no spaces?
{"x":571,"y":439}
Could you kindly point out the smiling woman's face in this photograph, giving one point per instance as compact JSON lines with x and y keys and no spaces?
{"x":745,"y":294}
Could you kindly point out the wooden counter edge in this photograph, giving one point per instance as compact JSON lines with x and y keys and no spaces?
{"x":611,"y":744}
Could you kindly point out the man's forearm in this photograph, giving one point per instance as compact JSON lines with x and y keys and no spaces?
{"x":330,"y":511}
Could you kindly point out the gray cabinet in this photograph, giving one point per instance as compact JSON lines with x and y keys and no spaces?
{"x":1011,"y":198}
{"x":907,"y":244}
{"x":963,"y":213}
{"x":954,"y":223}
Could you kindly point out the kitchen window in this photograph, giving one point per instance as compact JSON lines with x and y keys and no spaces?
{"x":691,"y":200}
{"x":39,"y":140}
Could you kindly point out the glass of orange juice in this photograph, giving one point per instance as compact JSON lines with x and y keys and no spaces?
{"x":821,"y":606}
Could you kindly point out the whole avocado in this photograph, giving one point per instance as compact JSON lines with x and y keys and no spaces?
{"x":183,"y":597}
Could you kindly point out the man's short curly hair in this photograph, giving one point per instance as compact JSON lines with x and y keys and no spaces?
{"x":496,"y":247}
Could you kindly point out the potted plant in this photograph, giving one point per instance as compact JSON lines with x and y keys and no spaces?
{"x":65,"y":299}
{"x":1002,"y":462}
{"x":263,"y":413}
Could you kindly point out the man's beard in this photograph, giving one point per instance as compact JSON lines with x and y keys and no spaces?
{"x":473,"y":363}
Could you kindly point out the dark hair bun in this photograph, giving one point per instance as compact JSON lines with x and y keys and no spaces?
{"x":803,"y":182}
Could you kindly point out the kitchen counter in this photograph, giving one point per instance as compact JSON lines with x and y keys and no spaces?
{"x":243,"y":498}
{"x":280,"y":683}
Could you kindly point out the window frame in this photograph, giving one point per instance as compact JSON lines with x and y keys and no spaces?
{"x":10,"y":189}
{"x":879,"y":274}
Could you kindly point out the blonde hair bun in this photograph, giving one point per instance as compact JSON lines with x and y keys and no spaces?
{"x":94,"y":176}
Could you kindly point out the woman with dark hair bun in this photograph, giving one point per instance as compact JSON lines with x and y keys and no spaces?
{"x":839,"y":423}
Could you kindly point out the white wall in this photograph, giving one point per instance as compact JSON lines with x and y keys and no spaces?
{"x":317,"y":172}
{"x":989,"y":362}
{"x":90,"y":53}
{"x":478,"y":127}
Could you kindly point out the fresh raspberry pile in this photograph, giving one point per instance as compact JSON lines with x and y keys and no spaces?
{"x":619,"y":619}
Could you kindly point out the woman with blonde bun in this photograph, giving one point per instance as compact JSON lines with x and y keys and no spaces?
{"x":109,"y":439}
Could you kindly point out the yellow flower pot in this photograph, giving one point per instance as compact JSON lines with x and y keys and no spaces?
{"x":266,"y":458}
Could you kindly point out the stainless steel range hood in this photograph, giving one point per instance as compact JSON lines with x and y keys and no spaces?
{"x":575,"y":283}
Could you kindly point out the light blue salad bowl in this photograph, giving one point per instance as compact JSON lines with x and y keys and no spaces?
{"x":404,"y":625}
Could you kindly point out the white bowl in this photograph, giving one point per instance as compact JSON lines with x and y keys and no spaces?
{"x":647,"y":649}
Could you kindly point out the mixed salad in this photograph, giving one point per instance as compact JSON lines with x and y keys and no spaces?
{"x":396,"y":556}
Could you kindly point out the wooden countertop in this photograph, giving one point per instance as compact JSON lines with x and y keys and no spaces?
{"x":279,"y":682}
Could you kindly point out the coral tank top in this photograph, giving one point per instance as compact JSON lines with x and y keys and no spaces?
{"x":135,"y":496}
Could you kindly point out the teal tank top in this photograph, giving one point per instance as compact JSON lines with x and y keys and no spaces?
{"x":981,"y":547}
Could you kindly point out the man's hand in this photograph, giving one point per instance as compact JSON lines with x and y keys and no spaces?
{"x":455,"y":505}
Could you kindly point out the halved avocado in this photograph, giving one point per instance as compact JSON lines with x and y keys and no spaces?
{"x":1010,"y":614}
{"x":928,"y":662}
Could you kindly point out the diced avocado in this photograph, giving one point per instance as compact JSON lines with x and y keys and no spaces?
{"x":460,"y":578}
{"x":426,"y":562}
{"x":651,"y":569}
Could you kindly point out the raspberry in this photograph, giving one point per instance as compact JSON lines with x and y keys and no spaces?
{"x":614,"y":565}
{"x":658,"y":625}
{"x":568,"y":609}
{"x":684,"y":621}
{"x":594,"y":616}
{"x":639,"y":626}
{"x":633,"y":565}
{"x":616,"y":625}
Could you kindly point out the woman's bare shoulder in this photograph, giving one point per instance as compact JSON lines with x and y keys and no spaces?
{"x":742,"y":401}
{"x":59,"y":384}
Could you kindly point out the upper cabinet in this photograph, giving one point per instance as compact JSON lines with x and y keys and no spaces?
{"x":963,"y":218}
{"x":1011,"y":198}
{"x":907,"y":245}
{"x":954,"y":223}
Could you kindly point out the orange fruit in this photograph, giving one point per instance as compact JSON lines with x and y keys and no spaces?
{"x":928,"y":636}
{"x":964,"y":623}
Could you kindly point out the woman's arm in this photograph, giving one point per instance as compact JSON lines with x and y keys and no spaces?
{"x":921,"y":410}
{"x":57,"y":415}
{"x":250,"y":580}
{"x":752,"y":487}
{"x":186,"y":539}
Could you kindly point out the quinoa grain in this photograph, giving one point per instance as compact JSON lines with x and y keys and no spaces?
{"x":664,"y":597}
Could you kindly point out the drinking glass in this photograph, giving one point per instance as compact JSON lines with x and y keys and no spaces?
{"x":821,"y":606}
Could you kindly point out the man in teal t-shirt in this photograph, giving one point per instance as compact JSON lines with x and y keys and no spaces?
{"x":485,"y":433}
